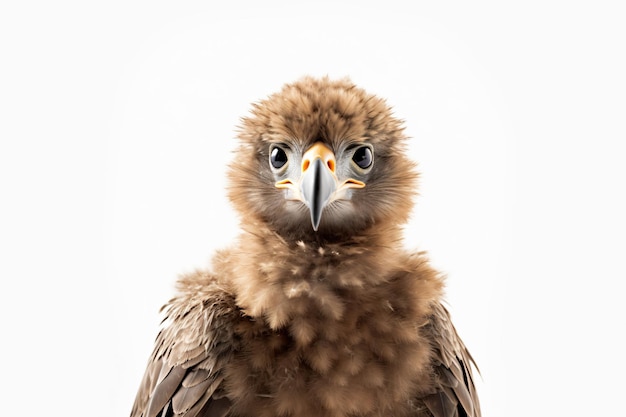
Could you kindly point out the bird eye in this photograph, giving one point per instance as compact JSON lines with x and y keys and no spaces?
{"x":278,"y":157}
{"x":363,"y":157}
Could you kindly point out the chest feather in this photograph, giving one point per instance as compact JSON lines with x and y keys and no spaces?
{"x":360,"y":355}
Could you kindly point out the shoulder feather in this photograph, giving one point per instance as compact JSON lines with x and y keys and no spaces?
{"x":184,"y":373}
{"x":455,"y":391}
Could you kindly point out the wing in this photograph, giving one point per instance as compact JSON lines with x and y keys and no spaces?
{"x":184,"y":374}
{"x":455,"y":394}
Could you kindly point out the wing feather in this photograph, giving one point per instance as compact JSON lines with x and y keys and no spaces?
{"x":197,"y":377}
{"x":440,"y":406}
{"x":184,"y":374}
{"x":455,"y":393}
{"x":187,"y":397}
{"x":164,"y":390}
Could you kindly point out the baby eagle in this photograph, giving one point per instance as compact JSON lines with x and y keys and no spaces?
{"x":316,"y":310}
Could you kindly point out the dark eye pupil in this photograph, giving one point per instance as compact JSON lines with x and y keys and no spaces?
{"x":363,"y":157}
{"x":278,"y":157}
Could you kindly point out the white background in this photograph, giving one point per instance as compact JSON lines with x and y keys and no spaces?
{"x":118,"y":119}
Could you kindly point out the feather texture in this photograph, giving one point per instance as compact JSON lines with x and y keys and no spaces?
{"x":455,"y":392}
{"x":289,"y":321}
{"x":190,"y":354}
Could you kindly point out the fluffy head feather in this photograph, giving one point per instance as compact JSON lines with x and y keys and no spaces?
{"x":340,"y":115}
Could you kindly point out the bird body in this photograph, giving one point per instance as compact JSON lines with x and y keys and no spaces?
{"x":316,"y":309}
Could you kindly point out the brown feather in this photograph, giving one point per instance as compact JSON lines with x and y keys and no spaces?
{"x":452,"y":366}
{"x":187,"y":397}
{"x":190,"y":352}
{"x":338,"y":322}
{"x":164,"y":391}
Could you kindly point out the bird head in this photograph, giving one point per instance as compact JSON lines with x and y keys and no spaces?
{"x":322,"y":160}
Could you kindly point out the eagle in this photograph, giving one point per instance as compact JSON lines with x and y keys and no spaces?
{"x":316,"y":309}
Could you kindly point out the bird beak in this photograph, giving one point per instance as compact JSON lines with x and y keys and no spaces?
{"x":318,"y":180}
{"x":319,"y":185}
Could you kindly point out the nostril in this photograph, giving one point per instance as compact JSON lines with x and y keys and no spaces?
{"x":331,"y":165}
{"x":305,"y":165}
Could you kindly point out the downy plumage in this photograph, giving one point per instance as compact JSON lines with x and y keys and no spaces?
{"x":316,"y":309}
